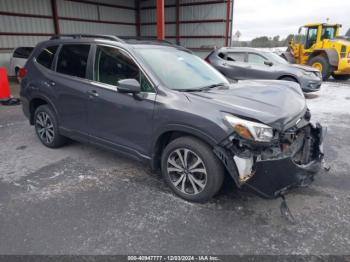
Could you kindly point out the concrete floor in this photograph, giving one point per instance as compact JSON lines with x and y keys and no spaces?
{"x":84,"y":200}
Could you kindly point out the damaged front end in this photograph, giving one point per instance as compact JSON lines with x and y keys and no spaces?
{"x":290,"y":159}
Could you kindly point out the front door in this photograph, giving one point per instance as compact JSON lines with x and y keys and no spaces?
{"x":119,"y":119}
{"x":257,"y":67}
{"x":309,"y":45}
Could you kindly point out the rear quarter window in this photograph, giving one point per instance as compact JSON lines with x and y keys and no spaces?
{"x":45,"y":58}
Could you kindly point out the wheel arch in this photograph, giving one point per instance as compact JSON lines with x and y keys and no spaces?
{"x":37,"y":101}
{"x":290,"y":76}
{"x":330,"y":53}
{"x":170,"y":133}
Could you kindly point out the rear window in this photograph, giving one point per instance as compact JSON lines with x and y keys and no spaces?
{"x":45,"y":58}
{"x":235,"y":56}
{"x":22,"y":52}
{"x":72,"y":60}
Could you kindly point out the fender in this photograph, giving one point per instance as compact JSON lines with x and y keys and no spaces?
{"x":178,"y":128}
{"x":331,"y":53}
{"x":47,"y":100}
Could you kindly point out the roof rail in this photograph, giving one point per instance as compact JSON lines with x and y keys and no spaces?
{"x":152,"y":40}
{"x":77,"y":36}
{"x":146,"y":38}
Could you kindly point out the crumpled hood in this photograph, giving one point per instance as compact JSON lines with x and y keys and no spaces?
{"x":275,"y":103}
{"x":304,"y":67}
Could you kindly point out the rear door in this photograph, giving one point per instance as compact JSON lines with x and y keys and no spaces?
{"x":120,"y":120}
{"x":234,"y":65}
{"x":71,"y":86}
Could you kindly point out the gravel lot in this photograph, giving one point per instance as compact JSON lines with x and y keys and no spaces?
{"x":83,"y":200}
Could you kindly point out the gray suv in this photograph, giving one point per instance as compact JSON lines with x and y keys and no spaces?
{"x":161,"y":104}
{"x":241,"y":63}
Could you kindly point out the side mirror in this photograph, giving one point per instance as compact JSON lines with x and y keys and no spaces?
{"x":129,"y":86}
{"x":268,"y":63}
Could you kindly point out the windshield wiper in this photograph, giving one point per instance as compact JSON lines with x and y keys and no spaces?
{"x":204,"y":88}
{"x":211,"y":86}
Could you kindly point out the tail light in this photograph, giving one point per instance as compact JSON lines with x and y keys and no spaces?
{"x":22,"y":73}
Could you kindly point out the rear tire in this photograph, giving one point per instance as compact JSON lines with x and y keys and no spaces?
{"x":321,"y":63}
{"x":46,"y":127}
{"x":195,"y":176}
{"x":341,"y":77}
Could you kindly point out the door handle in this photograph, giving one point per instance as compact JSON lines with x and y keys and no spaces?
{"x":93,"y":93}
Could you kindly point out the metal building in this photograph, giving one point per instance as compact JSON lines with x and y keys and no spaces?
{"x":196,"y":24}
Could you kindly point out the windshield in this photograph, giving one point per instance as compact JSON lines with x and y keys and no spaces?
{"x":274,"y":58}
{"x":180,"y":70}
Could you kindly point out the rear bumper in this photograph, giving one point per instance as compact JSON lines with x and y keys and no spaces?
{"x":274,"y":176}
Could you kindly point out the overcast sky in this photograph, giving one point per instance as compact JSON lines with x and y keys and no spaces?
{"x":281,"y":17}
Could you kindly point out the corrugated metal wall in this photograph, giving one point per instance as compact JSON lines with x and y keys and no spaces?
{"x":202,"y":23}
{"x":27,"y":22}
{"x":101,"y":13}
{"x":17,"y":24}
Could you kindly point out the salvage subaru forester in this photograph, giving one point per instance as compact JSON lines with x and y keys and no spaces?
{"x":161,"y":104}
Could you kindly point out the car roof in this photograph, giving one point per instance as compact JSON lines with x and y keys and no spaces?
{"x":240,"y":49}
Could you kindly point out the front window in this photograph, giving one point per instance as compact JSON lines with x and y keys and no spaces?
{"x":112,"y":65}
{"x":180,"y":70}
{"x":256,"y":59}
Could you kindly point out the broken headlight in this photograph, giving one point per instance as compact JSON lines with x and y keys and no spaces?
{"x":250,"y":130}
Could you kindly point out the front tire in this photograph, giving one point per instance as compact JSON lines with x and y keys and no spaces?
{"x":46,"y":127}
{"x":321,"y":63}
{"x":191,"y":169}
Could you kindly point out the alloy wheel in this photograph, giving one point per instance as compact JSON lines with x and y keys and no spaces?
{"x":44,"y":127}
{"x":187,"y":171}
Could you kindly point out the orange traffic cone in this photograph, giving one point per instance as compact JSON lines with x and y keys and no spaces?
{"x":5,"y":92}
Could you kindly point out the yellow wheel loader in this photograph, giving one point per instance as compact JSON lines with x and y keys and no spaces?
{"x":320,"y":46}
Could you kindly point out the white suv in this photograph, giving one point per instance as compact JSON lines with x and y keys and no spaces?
{"x":18,"y":59}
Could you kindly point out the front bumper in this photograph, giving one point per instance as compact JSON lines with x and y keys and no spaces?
{"x":311,"y":85}
{"x":271,"y":177}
